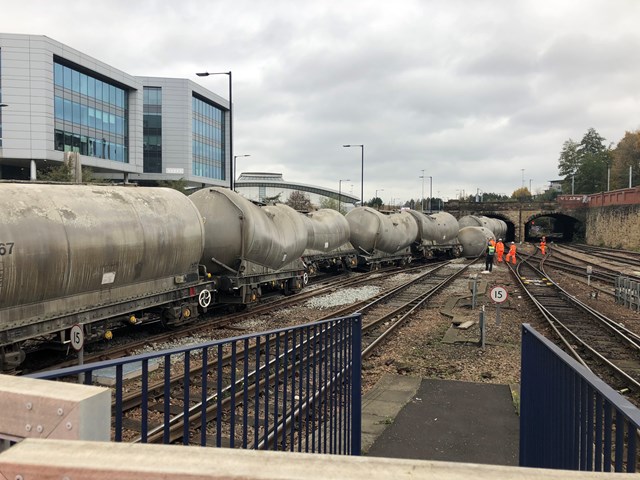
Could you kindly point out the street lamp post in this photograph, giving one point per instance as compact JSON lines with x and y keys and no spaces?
{"x":422,"y":202}
{"x":423,"y":176}
{"x":361,"y":172}
{"x":233,"y":183}
{"x":522,"y":177}
{"x":231,"y":167}
{"x":340,"y":193}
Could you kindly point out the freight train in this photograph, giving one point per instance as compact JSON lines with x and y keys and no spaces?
{"x":107,"y":256}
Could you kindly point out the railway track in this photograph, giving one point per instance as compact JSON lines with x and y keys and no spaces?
{"x":617,"y":260}
{"x":596,"y":341}
{"x":601,"y":280}
{"x":627,"y":257}
{"x":217,"y":321}
{"x":381,"y":316}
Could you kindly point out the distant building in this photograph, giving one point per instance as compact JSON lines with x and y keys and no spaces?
{"x":146,"y":129}
{"x":258,"y":186}
{"x":555,"y":185}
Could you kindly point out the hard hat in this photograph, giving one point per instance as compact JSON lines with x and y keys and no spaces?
{"x":499,"y":239}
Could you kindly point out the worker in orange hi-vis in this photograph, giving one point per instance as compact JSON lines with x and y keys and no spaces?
{"x":543,"y":245}
{"x":499,"y":250}
{"x":511,"y":255}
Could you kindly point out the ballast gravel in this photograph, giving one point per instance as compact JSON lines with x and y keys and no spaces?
{"x":346,"y":296}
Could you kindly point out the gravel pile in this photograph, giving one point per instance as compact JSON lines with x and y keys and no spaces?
{"x":343,"y":297}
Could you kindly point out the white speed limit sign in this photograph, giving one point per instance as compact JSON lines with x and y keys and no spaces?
{"x":498,"y":294}
{"x":77,"y":337}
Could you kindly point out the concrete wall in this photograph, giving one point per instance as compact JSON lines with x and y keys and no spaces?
{"x":616,"y":227}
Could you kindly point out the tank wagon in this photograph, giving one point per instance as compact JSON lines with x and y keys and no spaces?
{"x":328,"y":246}
{"x":380,"y":238}
{"x":474,"y":240}
{"x":98,"y":256}
{"x":437,"y":233}
{"x":401,"y":237}
{"x":495,"y":225}
{"x":250,"y":249}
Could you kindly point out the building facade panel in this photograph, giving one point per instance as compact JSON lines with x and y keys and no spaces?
{"x":34,"y":119}
{"x":60,"y":99}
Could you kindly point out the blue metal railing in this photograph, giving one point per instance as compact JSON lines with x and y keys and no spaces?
{"x":569,"y":418}
{"x":292,"y":389}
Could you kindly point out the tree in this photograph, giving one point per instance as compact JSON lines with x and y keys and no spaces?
{"x":584,"y":164}
{"x":375,"y":202}
{"x":180,"y":185}
{"x":63,"y":173}
{"x":493,"y":197}
{"x":332,"y":204}
{"x":625,"y":155}
{"x":410,"y":204}
{"x":299,"y":201}
{"x":521,"y":193}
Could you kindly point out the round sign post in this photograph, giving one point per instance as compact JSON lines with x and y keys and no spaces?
{"x":498,"y":295}
{"x":77,"y":342}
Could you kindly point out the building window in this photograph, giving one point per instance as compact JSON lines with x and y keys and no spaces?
{"x":152,"y":130}
{"x":90,"y":115}
{"x":207,"y":124}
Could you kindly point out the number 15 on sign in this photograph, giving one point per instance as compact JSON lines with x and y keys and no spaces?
{"x":498,"y":295}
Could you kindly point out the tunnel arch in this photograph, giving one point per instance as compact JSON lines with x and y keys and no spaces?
{"x":511,"y":227}
{"x":560,"y":227}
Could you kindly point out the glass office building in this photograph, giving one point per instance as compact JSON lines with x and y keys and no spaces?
{"x":90,"y":114}
{"x":62,"y":103}
{"x":208,"y":139}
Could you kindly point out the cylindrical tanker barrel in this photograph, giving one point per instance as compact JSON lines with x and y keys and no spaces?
{"x":237,"y":230}
{"x":61,"y":240}
{"x":327,"y":230}
{"x":447,"y":227}
{"x":371,"y":230}
{"x":427,"y":226}
{"x":436,"y":229}
{"x":473,"y":221}
{"x":497,"y":226}
{"x":474,"y":240}
{"x":501,"y":229}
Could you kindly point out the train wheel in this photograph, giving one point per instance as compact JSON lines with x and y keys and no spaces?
{"x":204,"y":299}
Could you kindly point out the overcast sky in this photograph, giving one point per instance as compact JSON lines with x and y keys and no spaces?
{"x":470,"y":91}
